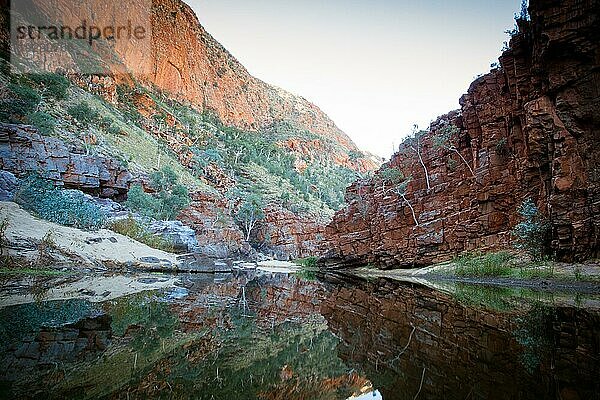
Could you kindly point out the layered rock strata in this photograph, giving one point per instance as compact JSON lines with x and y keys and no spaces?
{"x":528,"y":129}
{"x":23,"y":150}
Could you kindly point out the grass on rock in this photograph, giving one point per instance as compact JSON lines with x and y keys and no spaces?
{"x":133,"y":229}
{"x":484,"y":265}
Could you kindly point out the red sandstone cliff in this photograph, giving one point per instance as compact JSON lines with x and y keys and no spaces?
{"x":528,"y":129}
{"x":186,"y":63}
{"x":190,"y":64}
{"x":183,"y":62}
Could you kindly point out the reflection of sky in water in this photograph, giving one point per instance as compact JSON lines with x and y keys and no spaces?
{"x":374,"y":395}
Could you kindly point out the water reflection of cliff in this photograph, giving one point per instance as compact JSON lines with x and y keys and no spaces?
{"x":411,"y":340}
{"x":274,"y":337}
{"x":225,"y":337}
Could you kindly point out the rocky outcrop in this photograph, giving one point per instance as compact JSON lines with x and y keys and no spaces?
{"x":217,"y":234}
{"x":527,"y":129}
{"x":286,"y":235}
{"x":23,"y":150}
{"x":8,"y":185}
{"x":181,"y":236}
{"x":282,"y":234}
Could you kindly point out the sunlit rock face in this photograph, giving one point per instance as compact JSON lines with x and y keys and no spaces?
{"x":190,"y":64}
{"x":527,"y":129}
{"x":400,"y":335}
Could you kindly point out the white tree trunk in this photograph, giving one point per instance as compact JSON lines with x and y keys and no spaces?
{"x":412,"y":210}
{"x":418,"y":151}
{"x":462,"y":158}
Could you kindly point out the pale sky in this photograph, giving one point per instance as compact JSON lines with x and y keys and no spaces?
{"x":376,"y":67}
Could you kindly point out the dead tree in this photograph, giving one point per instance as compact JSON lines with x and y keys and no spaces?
{"x":399,"y":185}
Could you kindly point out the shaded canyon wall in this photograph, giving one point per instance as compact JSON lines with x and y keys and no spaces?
{"x":527,"y":129}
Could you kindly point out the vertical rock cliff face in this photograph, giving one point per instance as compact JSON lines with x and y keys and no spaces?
{"x":528,"y":129}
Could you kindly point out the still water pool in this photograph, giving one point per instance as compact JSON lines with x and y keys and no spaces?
{"x":250,"y":335}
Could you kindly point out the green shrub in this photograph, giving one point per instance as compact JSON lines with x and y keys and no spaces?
{"x":308,"y":262}
{"x":309,"y":268}
{"x":54,"y":85}
{"x":22,"y":100}
{"x":391,"y":175}
{"x":106,"y":121}
{"x":83,"y":113}
{"x":170,"y":197}
{"x":140,"y":201}
{"x":133,"y":229}
{"x":43,"y":121}
{"x":484,"y":265}
{"x":113,"y":129}
{"x":164,"y":179}
{"x":531,"y":235}
{"x":65,"y":207}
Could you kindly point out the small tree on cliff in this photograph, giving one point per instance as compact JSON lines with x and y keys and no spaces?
{"x":531,"y":235}
{"x":414,"y":142}
{"x":251,"y":211}
{"x":445,"y":139}
{"x":398,"y":184}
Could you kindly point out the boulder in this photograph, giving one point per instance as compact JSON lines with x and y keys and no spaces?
{"x":8,"y":186}
{"x":183,"y":237}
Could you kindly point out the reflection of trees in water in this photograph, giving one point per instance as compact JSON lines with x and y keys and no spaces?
{"x":245,"y":361}
{"x":243,"y":357}
{"x":210,"y":346}
{"x":148,"y":318}
{"x":535,"y":334}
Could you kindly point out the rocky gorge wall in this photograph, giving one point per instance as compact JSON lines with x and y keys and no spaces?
{"x":527,"y":129}
{"x":288,"y":235}
{"x":184,"y":62}
{"x":189,"y":77}
{"x":283,"y":234}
